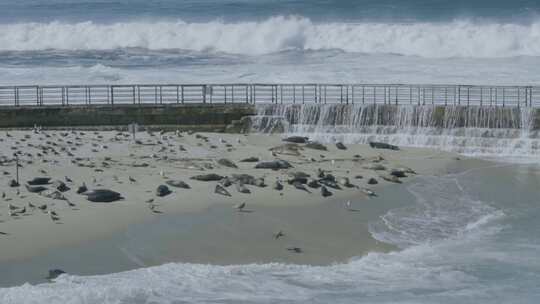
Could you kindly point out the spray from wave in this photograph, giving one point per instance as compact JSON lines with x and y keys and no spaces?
{"x":435,"y":40}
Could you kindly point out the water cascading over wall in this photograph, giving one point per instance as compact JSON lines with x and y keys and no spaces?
{"x":472,"y":130}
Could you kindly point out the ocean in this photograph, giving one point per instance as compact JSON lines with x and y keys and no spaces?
{"x":366,"y":41}
{"x":470,"y":237}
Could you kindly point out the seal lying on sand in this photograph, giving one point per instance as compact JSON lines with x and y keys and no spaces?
{"x":103,"y":196}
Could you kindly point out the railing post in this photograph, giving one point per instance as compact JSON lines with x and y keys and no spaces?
{"x":111,"y":88}
{"x":133,"y":94}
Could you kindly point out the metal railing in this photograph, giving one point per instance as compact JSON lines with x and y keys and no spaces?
{"x":161,"y":94}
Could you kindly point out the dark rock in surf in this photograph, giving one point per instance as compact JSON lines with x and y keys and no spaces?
{"x":381,"y":145}
{"x":103,"y":196}
{"x":13,"y":183}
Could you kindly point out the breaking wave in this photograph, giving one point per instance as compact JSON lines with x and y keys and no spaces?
{"x":460,"y":38}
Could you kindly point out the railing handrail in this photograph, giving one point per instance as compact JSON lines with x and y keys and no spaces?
{"x":168,"y":93}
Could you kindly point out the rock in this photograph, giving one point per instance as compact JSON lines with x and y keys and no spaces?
{"x":52,"y":194}
{"x":54,"y":273}
{"x":103,"y":196}
{"x":380,"y":145}
{"x":241,"y":188}
{"x":60,"y":186}
{"x":313,"y":183}
{"x":372,"y":181}
{"x":296,"y":139}
{"x":220,"y":190}
{"x":325,"y":192}
{"x":178,"y":184}
{"x":35,"y":189}
{"x":227,"y":163}
{"x":316,"y":146}
{"x":398,"y":173}
{"x":13,"y":183}
{"x":277,"y":186}
{"x":207,"y":177}
{"x":162,"y":190}
{"x":251,"y":159}
{"x":391,"y":178}
{"x":358,"y":176}
{"x":275,"y":165}
{"x":39,"y":181}
{"x":341,"y":146}
{"x":82,"y":189}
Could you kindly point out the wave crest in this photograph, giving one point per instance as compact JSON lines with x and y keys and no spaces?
{"x":281,"y":33}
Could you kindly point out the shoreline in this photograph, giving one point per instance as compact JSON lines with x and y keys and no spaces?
{"x":308,"y":220}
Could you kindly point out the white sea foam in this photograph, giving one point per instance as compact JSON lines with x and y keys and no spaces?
{"x":452,"y":39}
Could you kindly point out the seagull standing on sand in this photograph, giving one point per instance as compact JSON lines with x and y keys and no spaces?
{"x":348,"y":205}
{"x":278,"y":234}
{"x":240,"y":207}
{"x":54,"y":217}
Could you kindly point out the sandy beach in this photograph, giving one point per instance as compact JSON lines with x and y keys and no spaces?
{"x":195,"y":225}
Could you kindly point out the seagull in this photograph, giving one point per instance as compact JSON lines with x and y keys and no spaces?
{"x":240,"y":207}
{"x":70,"y":203}
{"x":368,"y":192}
{"x":31,"y":206}
{"x":348,"y":205}
{"x":131,"y":179}
{"x":162,"y":173}
{"x":43,"y":207}
{"x":278,"y":235}
{"x":150,"y":201}
{"x":53,"y":217}
{"x":12,"y":207}
{"x":68,"y":179}
{"x":3,"y":195}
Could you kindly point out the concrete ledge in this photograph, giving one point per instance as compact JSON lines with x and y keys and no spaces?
{"x":202,"y":116}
